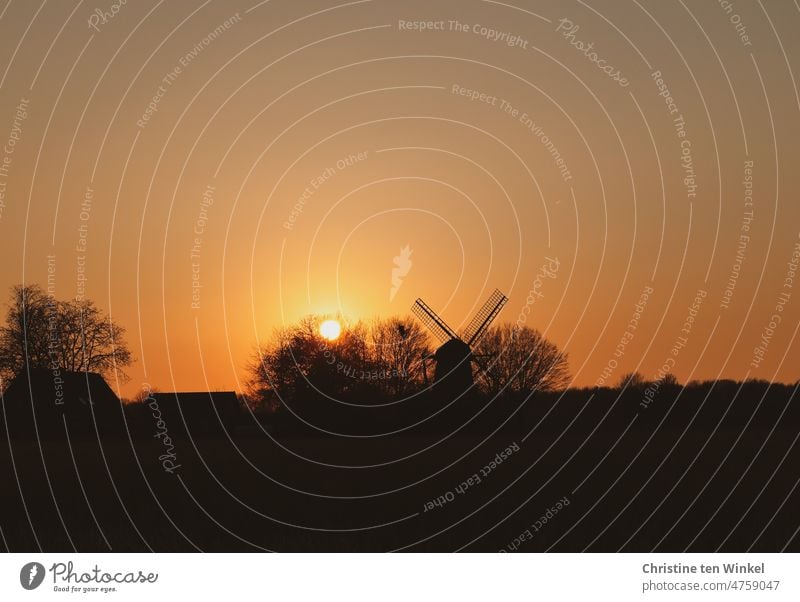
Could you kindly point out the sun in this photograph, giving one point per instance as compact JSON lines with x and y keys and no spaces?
{"x":330,"y":330}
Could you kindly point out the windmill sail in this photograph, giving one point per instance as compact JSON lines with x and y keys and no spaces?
{"x":453,"y":377}
{"x":484,"y":317}
{"x":434,"y":323}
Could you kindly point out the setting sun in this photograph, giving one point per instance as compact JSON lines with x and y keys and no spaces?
{"x":330,"y":329}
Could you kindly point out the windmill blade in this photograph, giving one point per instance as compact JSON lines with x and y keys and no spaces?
{"x":434,"y":323}
{"x":484,"y":317}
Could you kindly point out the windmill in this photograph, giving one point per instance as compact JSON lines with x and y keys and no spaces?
{"x":454,"y":357}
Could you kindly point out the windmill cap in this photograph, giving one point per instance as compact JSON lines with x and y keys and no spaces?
{"x":453,"y":347}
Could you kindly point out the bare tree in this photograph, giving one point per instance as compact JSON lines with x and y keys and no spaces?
{"x":633,"y":381}
{"x":400,"y":347}
{"x":670,"y":380}
{"x":42,"y":332}
{"x":25,"y":334}
{"x":298,"y":362}
{"x":519,"y":359}
{"x":276,"y":367}
{"x":88,"y":341}
{"x":363,"y":363}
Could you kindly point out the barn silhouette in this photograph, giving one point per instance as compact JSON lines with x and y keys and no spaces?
{"x":46,"y":403}
{"x":198,"y":413}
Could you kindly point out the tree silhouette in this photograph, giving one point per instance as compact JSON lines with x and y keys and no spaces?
{"x":519,"y":359}
{"x":365,"y":363}
{"x":632,"y":380}
{"x":400,"y":348}
{"x":670,"y":380}
{"x":25,"y":335}
{"x":43,"y":332}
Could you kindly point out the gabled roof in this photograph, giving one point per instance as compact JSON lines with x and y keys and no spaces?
{"x":60,"y":388}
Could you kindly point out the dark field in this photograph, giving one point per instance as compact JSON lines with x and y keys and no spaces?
{"x":702,"y":469}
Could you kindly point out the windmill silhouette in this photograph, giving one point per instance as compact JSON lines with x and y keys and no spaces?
{"x":454,"y":357}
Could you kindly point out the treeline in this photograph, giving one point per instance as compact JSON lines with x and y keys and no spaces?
{"x":392,"y":358}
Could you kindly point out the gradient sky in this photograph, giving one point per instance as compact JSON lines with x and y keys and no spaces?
{"x":339,"y":108}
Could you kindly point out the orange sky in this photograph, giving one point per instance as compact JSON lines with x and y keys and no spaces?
{"x":281,"y":155}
